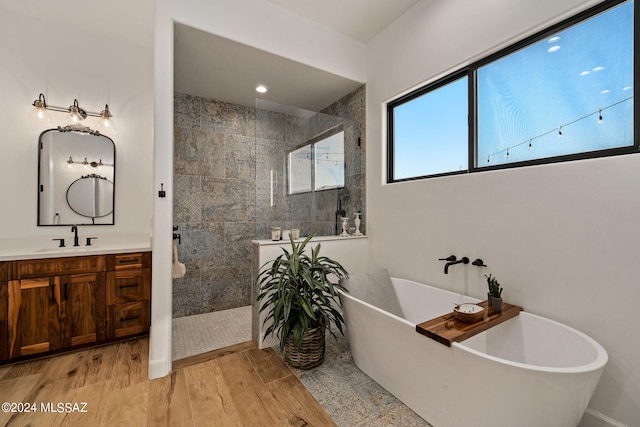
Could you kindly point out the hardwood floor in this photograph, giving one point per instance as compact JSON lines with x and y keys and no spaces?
{"x":239,"y":386}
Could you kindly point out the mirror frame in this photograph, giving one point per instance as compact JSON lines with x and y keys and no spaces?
{"x":85,"y":131}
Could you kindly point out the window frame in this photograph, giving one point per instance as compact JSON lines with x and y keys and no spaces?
{"x":311,"y":143}
{"x":470,"y":71}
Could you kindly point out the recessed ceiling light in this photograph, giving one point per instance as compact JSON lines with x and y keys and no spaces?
{"x":261,"y":89}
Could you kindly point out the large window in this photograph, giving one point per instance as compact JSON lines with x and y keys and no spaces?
{"x":566,"y":93}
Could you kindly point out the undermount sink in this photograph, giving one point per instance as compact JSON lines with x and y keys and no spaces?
{"x":68,"y":249}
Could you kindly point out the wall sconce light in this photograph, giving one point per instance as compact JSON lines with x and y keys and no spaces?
{"x":75,"y":116}
{"x":39,"y":112}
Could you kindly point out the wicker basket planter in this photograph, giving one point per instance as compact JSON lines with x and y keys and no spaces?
{"x":311,"y":352}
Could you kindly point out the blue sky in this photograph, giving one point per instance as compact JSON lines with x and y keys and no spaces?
{"x":563,"y":80}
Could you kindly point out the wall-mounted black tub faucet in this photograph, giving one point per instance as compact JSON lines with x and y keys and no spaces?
{"x":463,"y":260}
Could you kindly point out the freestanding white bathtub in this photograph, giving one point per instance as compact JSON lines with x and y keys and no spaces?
{"x":527,"y":371}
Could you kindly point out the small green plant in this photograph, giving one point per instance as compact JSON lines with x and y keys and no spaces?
{"x":298,"y":293}
{"x":494,"y":287}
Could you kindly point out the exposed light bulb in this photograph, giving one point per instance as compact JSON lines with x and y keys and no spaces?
{"x":69,"y":162}
{"x":106,"y":123}
{"x":76,"y":114}
{"x":85,"y":164}
{"x":39,"y":112}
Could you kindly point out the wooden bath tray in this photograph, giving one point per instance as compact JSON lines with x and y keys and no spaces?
{"x":447,"y":329}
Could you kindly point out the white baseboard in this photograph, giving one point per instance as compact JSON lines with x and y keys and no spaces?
{"x":593,"y":418}
{"x":159,"y":368}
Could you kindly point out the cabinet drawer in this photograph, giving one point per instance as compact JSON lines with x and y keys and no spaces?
{"x":128,"y":319}
{"x":128,"y":285}
{"x":36,"y":268}
{"x":85,"y":264}
{"x":128,"y":261}
{"x":59,"y":266}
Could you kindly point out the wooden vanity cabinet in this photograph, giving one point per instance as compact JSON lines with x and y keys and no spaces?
{"x":49,"y":305}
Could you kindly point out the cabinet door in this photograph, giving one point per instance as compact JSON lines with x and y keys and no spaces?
{"x":83,"y":309}
{"x":33,"y":316}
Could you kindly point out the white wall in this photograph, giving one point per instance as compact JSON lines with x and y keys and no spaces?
{"x":39,"y":54}
{"x":563,"y":239}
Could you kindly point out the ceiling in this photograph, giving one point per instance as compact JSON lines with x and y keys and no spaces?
{"x":217,"y":68}
{"x":214,"y":67}
{"x":359,"y":19}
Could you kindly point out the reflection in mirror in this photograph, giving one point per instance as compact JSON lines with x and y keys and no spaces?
{"x":76,"y":176}
{"x":91,"y":196}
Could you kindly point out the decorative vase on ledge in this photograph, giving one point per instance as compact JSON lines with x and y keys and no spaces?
{"x":357,"y":223}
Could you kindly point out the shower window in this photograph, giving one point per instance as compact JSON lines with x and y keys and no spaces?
{"x":326,"y":154}
{"x":329,"y":162}
{"x":300,"y":170}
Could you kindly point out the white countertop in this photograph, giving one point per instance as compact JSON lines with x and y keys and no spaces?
{"x":315,"y":239}
{"x":36,"y":247}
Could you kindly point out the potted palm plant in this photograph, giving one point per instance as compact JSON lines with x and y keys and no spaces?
{"x":299,"y":291}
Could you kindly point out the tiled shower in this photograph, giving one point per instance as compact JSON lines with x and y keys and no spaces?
{"x":227,"y":160}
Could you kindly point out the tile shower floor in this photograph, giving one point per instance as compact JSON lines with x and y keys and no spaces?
{"x":351,"y":398}
{"x":200,"y":333}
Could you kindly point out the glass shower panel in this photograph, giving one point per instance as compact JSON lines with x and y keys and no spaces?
{"x":292,"y":190}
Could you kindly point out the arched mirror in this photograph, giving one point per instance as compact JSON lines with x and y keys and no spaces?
{"x":76,"y":177}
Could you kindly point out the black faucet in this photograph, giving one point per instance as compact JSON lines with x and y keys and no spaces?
{"x":463,"y":260}
{"x":74,"y":229}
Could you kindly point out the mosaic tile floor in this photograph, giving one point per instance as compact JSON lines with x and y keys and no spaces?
{"x":210,"y":331}
{"x":350,"y":396}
